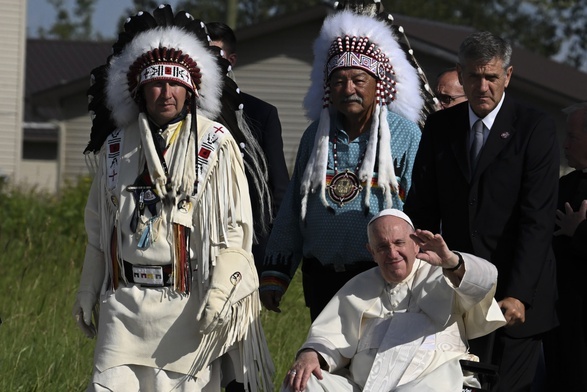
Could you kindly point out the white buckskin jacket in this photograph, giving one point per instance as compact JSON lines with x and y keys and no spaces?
{"x":162,"y":327}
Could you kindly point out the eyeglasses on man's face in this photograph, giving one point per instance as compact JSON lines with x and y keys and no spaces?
{"x":448,"y":99}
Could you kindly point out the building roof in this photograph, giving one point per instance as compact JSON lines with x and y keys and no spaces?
{"x":54,"y":63}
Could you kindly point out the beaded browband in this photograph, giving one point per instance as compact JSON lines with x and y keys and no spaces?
{"x":359,"y":52}
{"x":164,"y":64}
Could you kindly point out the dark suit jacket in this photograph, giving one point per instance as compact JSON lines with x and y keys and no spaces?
{"x":505,"y":211}
{"x":566,"y":348}
{"x":264,"y":122}
{"x":571,"y":252}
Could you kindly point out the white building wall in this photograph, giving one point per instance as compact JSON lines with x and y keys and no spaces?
{"x":283,"y":82}
{"x":13,"y":32}
{"x":276,"y":68}
{"x":39,"y":174}
{"x":74,"y":138}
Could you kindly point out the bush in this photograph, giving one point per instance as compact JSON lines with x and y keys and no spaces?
{"x":42,"y":241}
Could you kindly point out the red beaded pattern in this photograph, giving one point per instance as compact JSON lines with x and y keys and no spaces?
{"x":359,"y":52}
{"x":163,"y":55}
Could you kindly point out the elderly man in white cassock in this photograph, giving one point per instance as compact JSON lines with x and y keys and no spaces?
{"x":403,"y":325}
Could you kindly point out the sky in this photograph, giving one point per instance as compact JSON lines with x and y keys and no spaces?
{"x":106,"y":15}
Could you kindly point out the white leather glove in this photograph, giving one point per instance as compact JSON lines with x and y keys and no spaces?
{"x":84,"y":307}
{"x":87,"y":296}
{"x":234,"y":277}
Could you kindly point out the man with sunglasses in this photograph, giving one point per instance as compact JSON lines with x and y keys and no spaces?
{"x":449,"y":90}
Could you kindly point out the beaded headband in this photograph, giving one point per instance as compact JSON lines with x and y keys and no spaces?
{"x":164,"y":64}
{"x":359,"y":52}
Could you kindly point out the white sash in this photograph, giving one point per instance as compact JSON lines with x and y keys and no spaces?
{"x":404,"y":336}
{"x":113,"y":154}
{"x":208,"y":147}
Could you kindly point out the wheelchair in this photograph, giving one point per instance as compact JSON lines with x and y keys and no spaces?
{"x":485,"y":371}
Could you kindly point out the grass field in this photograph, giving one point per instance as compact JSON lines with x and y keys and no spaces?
{"x":42,"y":241}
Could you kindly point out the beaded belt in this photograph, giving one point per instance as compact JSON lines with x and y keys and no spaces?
{"x":149,"y":275}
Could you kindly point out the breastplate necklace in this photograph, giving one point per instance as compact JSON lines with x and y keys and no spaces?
{"x":344,"y":186}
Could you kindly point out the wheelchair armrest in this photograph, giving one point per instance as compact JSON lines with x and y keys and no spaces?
{"x":479,"y":367}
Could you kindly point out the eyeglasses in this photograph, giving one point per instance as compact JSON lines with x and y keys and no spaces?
{"x":448,"y":99}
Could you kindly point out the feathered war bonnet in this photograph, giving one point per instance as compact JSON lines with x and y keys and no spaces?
{"x":161,"y":46}
{"x":360,"y":36}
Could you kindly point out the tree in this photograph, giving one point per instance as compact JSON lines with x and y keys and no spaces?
{"x":63,"y":27}
{"x":573,"y":31}
{"x":84,"y":10}
{"x":552,"y":28}
{"x":138,"y":5}
{"x":249,"y":11}
{"x":548,"y":27}
{"x":542,"y":26}
{"x":206,"y":10}
{"x":66,"y":28}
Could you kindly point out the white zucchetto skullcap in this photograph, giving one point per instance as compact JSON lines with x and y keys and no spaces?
{"x":392,"y":212}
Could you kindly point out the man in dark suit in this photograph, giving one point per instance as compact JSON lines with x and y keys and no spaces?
{"x":566,"y":348}
{"x":491,"y":190}
{"x":264,"y":122}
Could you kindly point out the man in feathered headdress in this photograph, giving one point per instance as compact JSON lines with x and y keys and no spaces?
{"x":354,"y":160}
{"x":168,"y":220}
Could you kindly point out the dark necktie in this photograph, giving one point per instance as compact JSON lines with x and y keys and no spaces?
{"x":159,"y":141}
{"x":477,"y":143}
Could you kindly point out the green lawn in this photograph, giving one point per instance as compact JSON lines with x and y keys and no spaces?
{"x":42,"y":242}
